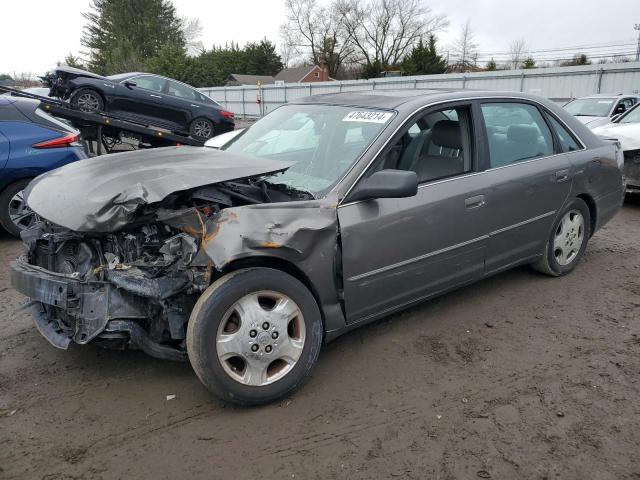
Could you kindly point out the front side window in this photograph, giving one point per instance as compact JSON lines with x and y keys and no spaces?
{"x":516,"y":132}
{"x":435,"y":146}
{"x":632,"y":117}
{"x":150,"y":82}
{"x":324,"y":141}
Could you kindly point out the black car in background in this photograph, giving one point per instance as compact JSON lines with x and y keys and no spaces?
{"x":144,"y":98}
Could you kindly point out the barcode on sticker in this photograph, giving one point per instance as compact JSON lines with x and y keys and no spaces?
{"x":371,"y":117}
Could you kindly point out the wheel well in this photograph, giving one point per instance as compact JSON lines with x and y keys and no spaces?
{"x":593,"y":212}
{"x":104,"y":99}
{"x":21,"y":179}
{"x":276,"y":264}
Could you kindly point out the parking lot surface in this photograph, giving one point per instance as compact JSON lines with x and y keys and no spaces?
{"x":518,"y":376}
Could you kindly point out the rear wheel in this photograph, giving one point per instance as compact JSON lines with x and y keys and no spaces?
{"x":201,"y":129}
{"x":87,"y":100}
{"x":15,"y":216}
{"x":568,"y":240}
{"x":254,"y":336}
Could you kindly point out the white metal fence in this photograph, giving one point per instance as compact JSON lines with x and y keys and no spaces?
{"x":558,"y":84}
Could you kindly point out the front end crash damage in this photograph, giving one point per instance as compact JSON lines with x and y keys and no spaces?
{"x":133,"y":284}
{"x":632,"y":170}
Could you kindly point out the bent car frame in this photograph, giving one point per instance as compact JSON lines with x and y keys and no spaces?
{"x":326,"y":214}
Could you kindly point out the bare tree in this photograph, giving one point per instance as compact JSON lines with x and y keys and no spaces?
{"x":465,"y":49}
{"x":517,"y":49}
{"x":383,"y":31}
{"x":317,"y":32}
{"x":192,"y":31}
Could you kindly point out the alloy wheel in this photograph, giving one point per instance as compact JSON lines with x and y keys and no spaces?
{"x":88,"y":102}
{"x":201,"y":129}
{"x":260,"y":338}
{"x":568,"y":237}
{"x":20,"y":214}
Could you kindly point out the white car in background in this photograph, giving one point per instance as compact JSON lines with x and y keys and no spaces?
{"x":626,"y":129}
{"x":597,"y":110}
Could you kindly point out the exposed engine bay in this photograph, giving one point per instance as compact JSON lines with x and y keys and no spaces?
{"x":135,"y":286}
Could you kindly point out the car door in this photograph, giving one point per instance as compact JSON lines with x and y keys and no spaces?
{"x":183,"y":103}
{"x":144,"y":101}
{"x":398,"y":251}
{"x":5,"y":148}
{"x":529,"y":180}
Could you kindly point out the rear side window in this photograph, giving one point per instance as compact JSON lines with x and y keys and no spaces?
{"x":178,"y":90}
{"x":567,"y":142}
{"x":516,"y":132}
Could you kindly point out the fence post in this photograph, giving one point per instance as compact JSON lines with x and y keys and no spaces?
{"x":244,"y":111}
{"x":464,"y":81}
{"x":599,"y":84}
{"x":522,"y":82}
{"x":310,"y":88}
{"x":374,"y":85}
{"x":226,"y":104}
{"x":285,"y":93}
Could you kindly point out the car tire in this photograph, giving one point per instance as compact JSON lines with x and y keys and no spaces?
{"x":568,"y":240}
{"x":201,"y":129}
{"x":12,"y":204}
{"x":274,"y":323}
{"x":87,"y":100}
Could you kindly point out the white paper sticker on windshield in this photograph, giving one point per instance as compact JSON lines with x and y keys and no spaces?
{"x":605,"y":101}
{"x":370,"y":117}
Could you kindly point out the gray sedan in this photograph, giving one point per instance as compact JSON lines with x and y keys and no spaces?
{"x":329,"y":213}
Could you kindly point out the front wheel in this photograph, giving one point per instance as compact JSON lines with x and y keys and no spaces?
{"x":568,"y":240}
{"x":254,"y":336}
{"x":87,"y":100}
{"x":201,"y":129}
{"x":15,"y":215}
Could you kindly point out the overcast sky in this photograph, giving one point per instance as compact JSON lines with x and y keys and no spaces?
{"x":34,"y":35}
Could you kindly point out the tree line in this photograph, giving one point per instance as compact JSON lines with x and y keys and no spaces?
{"x":351,"y":38}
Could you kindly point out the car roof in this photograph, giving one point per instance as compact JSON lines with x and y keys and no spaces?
{"x":610,"y":95}
{"x":406,"y":98}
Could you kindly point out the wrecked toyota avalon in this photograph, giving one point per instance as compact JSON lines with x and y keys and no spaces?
{"x":324,"y":215}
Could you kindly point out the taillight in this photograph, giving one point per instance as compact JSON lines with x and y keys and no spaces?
{"x":226,"y":114}
{"x":59,"y":142}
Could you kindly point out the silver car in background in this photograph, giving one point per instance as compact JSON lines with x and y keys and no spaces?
{"x":327,"y":214}
{"x":597,"y":110}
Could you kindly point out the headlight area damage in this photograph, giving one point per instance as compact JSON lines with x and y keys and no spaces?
{"x":125,"y":269}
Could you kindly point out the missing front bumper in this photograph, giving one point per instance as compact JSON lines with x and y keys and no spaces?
{"x":66,"y":307}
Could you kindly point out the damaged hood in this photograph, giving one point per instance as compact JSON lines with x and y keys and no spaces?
{"x":101,"y":194}
{"x":628,"y":134}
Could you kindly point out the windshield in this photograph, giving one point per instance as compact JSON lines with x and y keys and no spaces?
{"x":590,"y":107}
{"x":632,"y":117}
{"x":322,"y":140}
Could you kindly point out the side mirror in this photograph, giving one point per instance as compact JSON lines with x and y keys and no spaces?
{"x":386,"y":184}
{"x":620,"y":109}
{"x":130,"y":83}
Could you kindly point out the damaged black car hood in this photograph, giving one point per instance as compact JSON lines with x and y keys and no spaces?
{"x":101,"y":194}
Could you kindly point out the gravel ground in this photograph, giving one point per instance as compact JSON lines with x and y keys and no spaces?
{"x":518,"y":376}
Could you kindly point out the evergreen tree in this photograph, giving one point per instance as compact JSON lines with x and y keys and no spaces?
{"x":491,"y":65}
{"x":122,"y":34}
{"x":261,"y":58}
{"x":529,"y":62}
{"x":424,"y":59}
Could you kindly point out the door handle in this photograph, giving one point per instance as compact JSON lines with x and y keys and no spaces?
{"x":155,"y":96}
{"x":193,"y":105}
{"x":562,"y":175}
{"x":474,"y":202}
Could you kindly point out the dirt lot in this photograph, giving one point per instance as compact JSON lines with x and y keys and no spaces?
{"x":519,"y":376}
